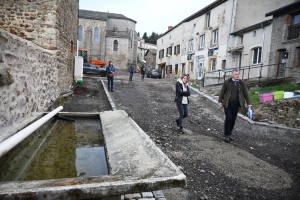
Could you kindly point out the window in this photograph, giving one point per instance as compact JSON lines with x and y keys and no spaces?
{"x":296,"y":19}
{"x":223,"y":64}
{"x":256,"y":55}
{"x":207,"y":20}
{"x":191,"y":44}
{"x":169,"y":51}
{"x":175,"y":50}
{"x":192,"y":66}
{"x":213,"y":64}
{"x":96,"y":34}
{"x":202,"y":42}
{"x":215,"y":36}
{"x":131,"y":39}
{"x":176,"y":68}
{"x":241,"y":37}
{"x":200,"y":68}
{"x":294,"y":29}
{"x":115,"y":45}
{"x":80,"y":33}
{"x":178,"y":49}
{"x":161,"y":53}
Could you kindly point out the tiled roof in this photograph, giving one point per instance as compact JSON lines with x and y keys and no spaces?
{"x":88,"y":14}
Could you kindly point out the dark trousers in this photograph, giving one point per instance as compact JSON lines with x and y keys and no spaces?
{"x":183,"y":112}
{"x":231,"y":114}
{"x":143,"y":76}
{"x":110,"y":83}
{"x":130,"y":76}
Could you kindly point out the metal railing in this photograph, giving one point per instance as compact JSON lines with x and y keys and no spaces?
{"x":293,"y":32}
{"x":252,"y":72}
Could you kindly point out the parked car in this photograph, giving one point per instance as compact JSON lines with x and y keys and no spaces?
{"x":89,"y":68}
{"x":154,"y":73}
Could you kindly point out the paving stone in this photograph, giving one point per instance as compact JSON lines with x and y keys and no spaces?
{"x":161,"y":199}
{"x":147,"y":199}
{"x":158,"y":194}
{"x":147,"y":194}
{"x":133,"y":196}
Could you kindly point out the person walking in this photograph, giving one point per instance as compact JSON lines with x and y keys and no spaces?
{"x":182,"y":100}
{"x":110,"y":73}
{"x":131,"y":71}
{"x":232,"y":97}
{"x":143,"y":70}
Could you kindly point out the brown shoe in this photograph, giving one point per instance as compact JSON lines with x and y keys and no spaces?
{"x":227,"y":139}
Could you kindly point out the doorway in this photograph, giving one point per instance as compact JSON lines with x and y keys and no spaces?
{"x":281,"y":63}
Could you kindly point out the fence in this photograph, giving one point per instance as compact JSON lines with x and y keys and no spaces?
{"x":252,"y":72}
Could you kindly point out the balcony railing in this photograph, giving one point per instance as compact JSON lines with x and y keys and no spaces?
{"x":293,"y":32}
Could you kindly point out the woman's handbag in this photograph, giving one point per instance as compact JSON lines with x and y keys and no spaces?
{"x":111,"y":75}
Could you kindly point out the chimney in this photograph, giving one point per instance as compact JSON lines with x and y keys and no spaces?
{"x":170,"y":27}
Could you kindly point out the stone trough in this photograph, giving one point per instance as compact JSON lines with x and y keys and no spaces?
{"x":135,"y":164}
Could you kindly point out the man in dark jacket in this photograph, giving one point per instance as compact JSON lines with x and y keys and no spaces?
{"x":143,"y":70}
{"x":131,"y":71}
{"x":232,"y":96}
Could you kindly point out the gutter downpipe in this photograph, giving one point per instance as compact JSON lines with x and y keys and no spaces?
{"x":11,"y":142}
{"x":228,"y":37}
{"x":262,"y":48}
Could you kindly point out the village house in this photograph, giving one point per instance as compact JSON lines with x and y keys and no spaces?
{"x":285,"y":41}
{"x":225,"y":34}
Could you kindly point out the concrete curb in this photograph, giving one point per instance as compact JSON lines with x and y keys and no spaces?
{"x":112,"y":104}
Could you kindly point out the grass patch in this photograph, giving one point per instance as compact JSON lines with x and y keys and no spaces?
{"x":194,"y":85}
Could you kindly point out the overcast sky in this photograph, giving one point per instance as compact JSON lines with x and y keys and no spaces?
{"x":151,"y":16}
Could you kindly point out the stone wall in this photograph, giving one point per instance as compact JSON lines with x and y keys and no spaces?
{"x":35,"y":74}
{"x":96,"y":50}
{"x":279,"y":42}
{"x":50,"y":24}
{"x":38,"y":43}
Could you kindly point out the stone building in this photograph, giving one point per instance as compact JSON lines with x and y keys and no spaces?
{"x":37,"y":42}
{"x":108,"y":36}
{"x":223,"y":35}
{"x":285,"y":45}
{"x":150,"y":58}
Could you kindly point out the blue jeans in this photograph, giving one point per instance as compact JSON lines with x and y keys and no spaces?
{"x":143,"y":76}
{"x":231,"y":114}
{"x":130,"y":77}
{"x":183,"y":112}
{"x":110,"y":82}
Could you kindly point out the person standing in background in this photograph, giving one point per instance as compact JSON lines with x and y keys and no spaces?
{"x":110,"y":73}
{"x":131,"y":71}
{"x":143,"y":70}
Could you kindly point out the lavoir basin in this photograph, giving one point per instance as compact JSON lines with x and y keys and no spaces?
{"x":99,"y":156}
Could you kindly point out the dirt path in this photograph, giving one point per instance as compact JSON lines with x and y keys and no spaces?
{"x":255,"y":166}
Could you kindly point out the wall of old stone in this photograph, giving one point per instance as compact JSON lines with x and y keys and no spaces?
{"x":38,"y":43}
{"x":279,"y":42}
{"x":96,"y":50}
{"x":51,"y":24}
{"x":35,"y":76}
{"x":125,"y":54}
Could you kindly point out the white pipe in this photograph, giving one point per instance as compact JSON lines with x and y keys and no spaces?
{"x":11,"y":142}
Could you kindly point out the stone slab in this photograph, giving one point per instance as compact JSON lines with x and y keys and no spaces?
{"x":135,"y":165}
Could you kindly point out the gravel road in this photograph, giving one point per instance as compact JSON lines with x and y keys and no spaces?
{"x":254,"y":166}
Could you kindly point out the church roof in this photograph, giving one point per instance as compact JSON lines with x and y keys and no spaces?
{"x":88,"y":14}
